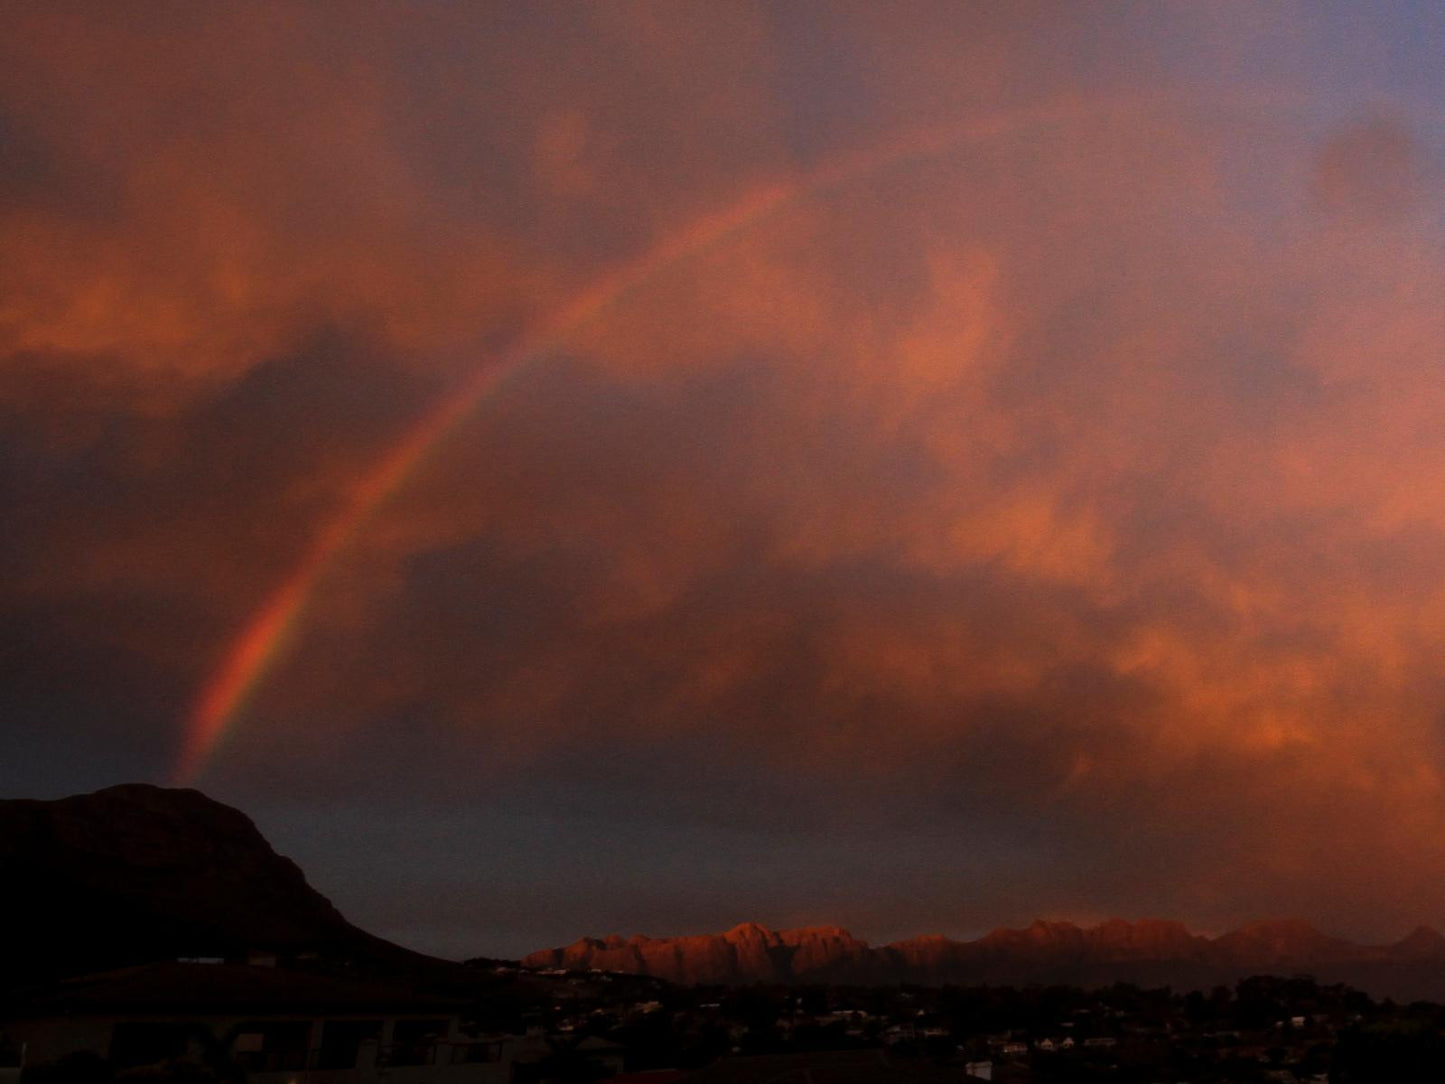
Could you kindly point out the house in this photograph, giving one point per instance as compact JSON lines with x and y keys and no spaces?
{"x":280,"y":1026}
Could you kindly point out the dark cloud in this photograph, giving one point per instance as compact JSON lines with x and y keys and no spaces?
{"x":36,"y":174}
{"x":1372,"y":170}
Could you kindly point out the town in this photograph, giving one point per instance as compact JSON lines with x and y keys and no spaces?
{"x":295,"y":1024}
{"x":1263,"y":1029}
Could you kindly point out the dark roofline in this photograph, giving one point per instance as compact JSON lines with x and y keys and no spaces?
{"x":210,"y":989}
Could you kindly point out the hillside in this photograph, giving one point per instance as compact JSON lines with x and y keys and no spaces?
{"x":138,"y":873}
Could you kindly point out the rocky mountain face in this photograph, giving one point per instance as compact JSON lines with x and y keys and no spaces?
{"x":746,"y":953}
{"x":138,"y":873}
{"x":1150,"y":952}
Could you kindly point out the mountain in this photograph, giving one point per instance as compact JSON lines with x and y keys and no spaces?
{"x":1422,"y":944}
{"x":1286,"y":944}
{"x":135,"y":873}
{"x":1150,"y":952}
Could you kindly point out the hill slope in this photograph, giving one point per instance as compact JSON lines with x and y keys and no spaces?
{"x":137,"y":873}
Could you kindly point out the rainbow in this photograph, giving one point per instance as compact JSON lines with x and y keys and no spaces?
{"x":269,"y":631}
{"x":272,"y":627}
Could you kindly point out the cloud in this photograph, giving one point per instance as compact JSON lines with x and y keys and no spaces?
{"x":1063,"y":491}
{"x":1373,"y":169}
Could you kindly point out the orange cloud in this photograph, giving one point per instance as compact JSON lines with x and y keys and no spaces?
{"x":924,"y":419}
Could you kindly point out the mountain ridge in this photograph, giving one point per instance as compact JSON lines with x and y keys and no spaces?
{"x":1158,"y":951}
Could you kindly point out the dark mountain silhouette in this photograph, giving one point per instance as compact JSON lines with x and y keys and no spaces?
{"x":136,"y":873}
{"x":1150,"y":952}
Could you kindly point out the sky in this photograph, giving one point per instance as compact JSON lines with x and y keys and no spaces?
{"x":573,"y":468}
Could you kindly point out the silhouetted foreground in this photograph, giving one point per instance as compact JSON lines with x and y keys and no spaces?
{"x":153,"y":935}
{"x":203,"y":1023}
